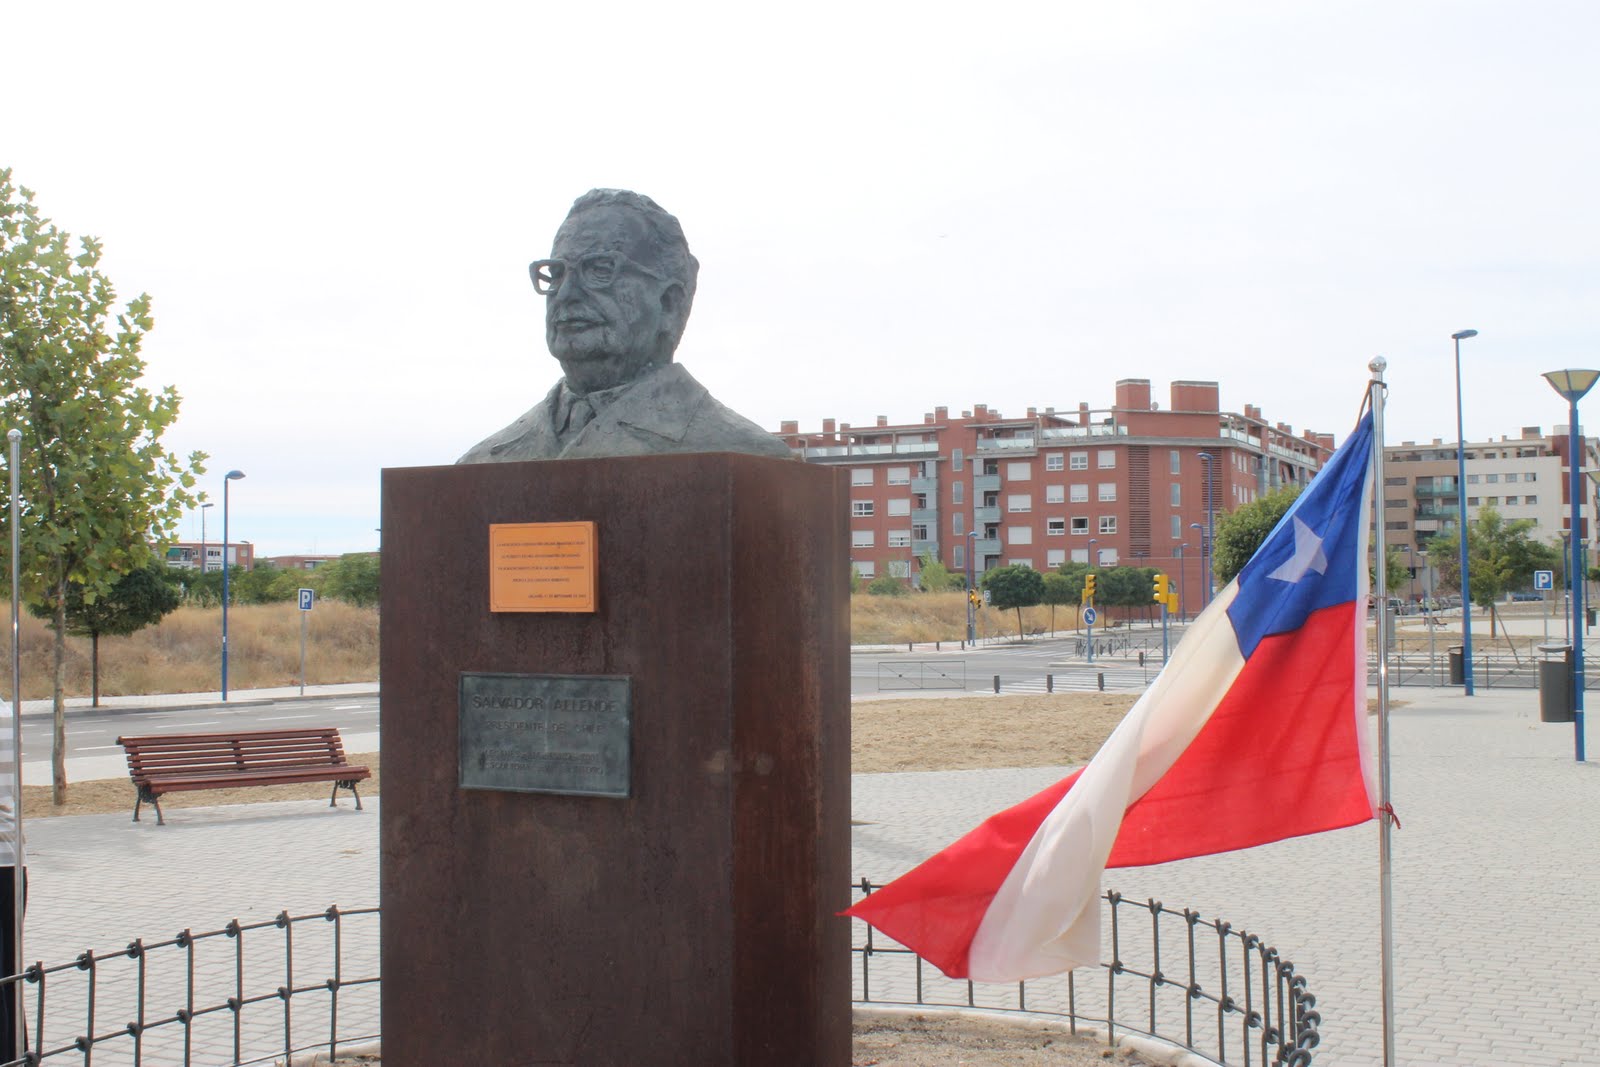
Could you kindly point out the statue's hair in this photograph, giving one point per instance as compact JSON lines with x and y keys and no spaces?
{"x":672,"y":248}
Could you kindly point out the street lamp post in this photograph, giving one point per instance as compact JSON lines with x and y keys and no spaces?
{"x":1211,"y":528}
{"x":1572,"y":385}
{"x":1183,"y":580}
{"x":232,"y":476}
{"x":203,"y":535}
{"x":1461,"y":523}
{"x":1205,"y":559}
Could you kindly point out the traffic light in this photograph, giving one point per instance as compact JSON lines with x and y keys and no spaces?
{"x":1162,"y":591}
{"x":1088,"y":588}
{"x":972,"y":595}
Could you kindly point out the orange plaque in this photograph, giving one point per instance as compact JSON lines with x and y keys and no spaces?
{"x":543,"y":566}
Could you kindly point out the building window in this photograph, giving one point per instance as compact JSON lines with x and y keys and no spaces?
{"x":1079,"y":461}
{"x":1494,"y":502}
{"x":1510,"y":501}
{"x":864,"y":568}
{"x":861,"y":476}
{"x":899,"y":568}
{"x":1108,"y":490}
{"x":1055,"y":557}
{"x":958,"y":524}
{"x":958,"y":556}
{"x":1396,"y":481}
{"x":1177,"y":495}
{"x":957,"y":492}
{"x":955,"y":459}
{"x":1055,"y":461}
{"x":1028,"y":563}
{"x":861,"y":509}
{"x":1177,"y":527}
{"x":1055,"y":494}
{"x":1472,"y":502}
{"x":899,"y":475}
{"x":1108,"y":525}
{"x":1080,"y":524}
{"x":1492,"y":479}
{"x":1019,"y":471}
{"x":1511,"y":476}
{"x":861,"y":538}
{"x":1080,"y":494}
{"x":1525,"y":500}
{"x":1395,"y":502}
{"x":919,"y":531}
{"x":1397,"y":525}
{"x":1019,"y":502}
{"x":899,"y":538}
{"x":1108,"y":557}
{"x":1019,"y":535}
{"x":1080,"y":555}
{"x":901,"y":506}
{"x":1472,"y":479}
{"x":1107,"y":458}
{"x":1175,"y":458}
{"x":1530,"y":476}
{"x":1056,"y":527}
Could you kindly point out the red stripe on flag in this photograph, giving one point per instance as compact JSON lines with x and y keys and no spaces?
{"x":1279,"y":758}
{"x":936,"y":907}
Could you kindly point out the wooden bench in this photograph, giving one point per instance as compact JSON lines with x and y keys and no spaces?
{"x":176,"y":763}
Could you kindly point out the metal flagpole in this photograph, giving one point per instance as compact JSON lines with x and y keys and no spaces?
{"x":14,"y":965}
{"x":1376,"y":392}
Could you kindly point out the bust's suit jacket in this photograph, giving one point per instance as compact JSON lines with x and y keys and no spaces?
{"x":664,"y":411}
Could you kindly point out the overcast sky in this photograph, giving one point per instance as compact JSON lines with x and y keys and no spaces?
{"x":895,"y":206}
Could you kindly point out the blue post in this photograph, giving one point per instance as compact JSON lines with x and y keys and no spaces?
{"x":232,"y":475}
{"x":1575,"y":574}
{"x":1461,"y":525}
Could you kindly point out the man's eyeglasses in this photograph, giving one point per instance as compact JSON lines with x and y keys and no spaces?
{"x":597,"y":270}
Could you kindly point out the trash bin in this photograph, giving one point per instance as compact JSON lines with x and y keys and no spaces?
{"x":1555,"y":683}
{"x":1589,"y":612}
{"x":1458,"y":673}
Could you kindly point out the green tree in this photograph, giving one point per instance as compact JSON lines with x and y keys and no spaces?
{"x":1241,"y":531}
{"x":1059,"y":589}
{"x":1014,"y":586}
{"x":1501,"y":556}
{"x":353,"y":578}
{"x":934,"y":577}
{"x":887,"y":585}
{"x":98,"y":488}
{"x":138,"y":599}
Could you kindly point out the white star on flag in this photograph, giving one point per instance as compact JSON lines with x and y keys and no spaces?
{"x":1308,"y":555}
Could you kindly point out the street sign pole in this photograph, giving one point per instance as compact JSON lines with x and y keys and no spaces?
{"x":1088,"y":619}
{"x":307,"y":598}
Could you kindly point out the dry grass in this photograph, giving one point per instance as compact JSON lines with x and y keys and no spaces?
{"x":183,"y":653}
{"x":890,"y":620}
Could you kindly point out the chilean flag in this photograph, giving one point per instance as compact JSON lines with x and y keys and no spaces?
{"x":1254,"y":732}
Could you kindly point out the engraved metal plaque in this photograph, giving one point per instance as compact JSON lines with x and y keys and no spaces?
{"x":546,"y":733}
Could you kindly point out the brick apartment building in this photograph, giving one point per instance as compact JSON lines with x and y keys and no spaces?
{"x":1128,"y":482}
{"x":1525,"y":477}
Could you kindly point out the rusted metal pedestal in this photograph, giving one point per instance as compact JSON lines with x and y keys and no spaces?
{"x":693,"y":921}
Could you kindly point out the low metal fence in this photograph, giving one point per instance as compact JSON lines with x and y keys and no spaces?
{"x":1220,"y":993}
{"x":309,"y":984}
{"x":921,"y":674}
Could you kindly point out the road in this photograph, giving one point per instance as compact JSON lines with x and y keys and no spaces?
{"x":1031,"y":667}
{"x":93,"y":733}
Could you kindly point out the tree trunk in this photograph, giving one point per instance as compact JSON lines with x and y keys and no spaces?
{"x":1019,"y":624}
{"x":94,"y":667}
{"x":1052,"y":619}
{"x":58,"y":740}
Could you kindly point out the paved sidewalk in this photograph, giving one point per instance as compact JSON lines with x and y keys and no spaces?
{"x":1497,"y":883}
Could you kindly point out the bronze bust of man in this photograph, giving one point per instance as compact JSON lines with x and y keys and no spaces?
{"x":618,"y":287}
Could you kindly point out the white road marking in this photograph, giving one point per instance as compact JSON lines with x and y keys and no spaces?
{"x":348,"y":707}
{"x":286,"y":718}
{"x":185,"y":725}
{"x":102,"y":748}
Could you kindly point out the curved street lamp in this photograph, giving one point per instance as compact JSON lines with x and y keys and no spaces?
{"x":1211,"y":525}
{"x":1572,"y":385}
{"x":1183,"y":580}
{"x":231,"y":477}
{"x":1205,"y":559}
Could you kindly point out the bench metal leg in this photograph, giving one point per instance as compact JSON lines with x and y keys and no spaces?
{"x":161,"y":820}
{"x":332,"y":800}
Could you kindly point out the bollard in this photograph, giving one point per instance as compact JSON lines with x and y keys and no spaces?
{"x":997,"y":683}
{"x":1141,"y":657}
{"x":938,"y":646}
{"x":1102,"y":681}
{"x":1049,"y":683}
{"x":908,"y":646}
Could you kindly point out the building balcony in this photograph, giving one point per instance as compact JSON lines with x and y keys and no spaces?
{"x":929,"y":486}
{"x":985,"y":483}
{"x":982,"y":516}
{"x":925,"y":548}
{"x":985,"y":546}
{"x":924,"y":516}
{"x":1436,"y":511}
{"x":1436,"y":489}
{"x":1006,"y":444}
